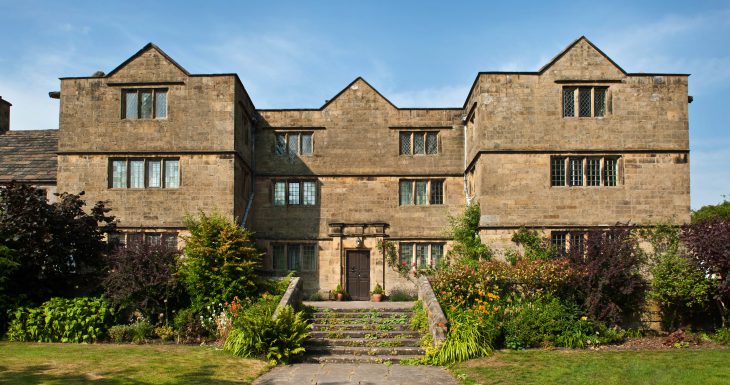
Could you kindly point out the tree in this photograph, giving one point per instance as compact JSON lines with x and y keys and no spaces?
{"x":708,"y":244}
{"x":465,"y":232}
{"x":58,"y":246}
{"x":219,"y":262}
{"x":613,"y":286}
{"x":143,"y":277}
{"x":720,"y":210}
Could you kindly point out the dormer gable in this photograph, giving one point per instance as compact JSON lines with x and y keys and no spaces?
{"x":582,"y":60}
{"x":149,"y":64}
{"x":358,"y":94}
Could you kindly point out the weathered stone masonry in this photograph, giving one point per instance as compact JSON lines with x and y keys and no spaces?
{"x":576,"y":145}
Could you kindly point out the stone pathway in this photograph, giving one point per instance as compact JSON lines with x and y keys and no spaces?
{"x":356,"y":374}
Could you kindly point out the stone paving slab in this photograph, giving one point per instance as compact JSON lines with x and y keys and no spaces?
{"x":360,"y":305}
{"x":356,"y":374}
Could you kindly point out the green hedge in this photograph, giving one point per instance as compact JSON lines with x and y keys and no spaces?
{"x":83,"y":319}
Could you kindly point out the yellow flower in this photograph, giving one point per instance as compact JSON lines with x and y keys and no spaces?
{"x":584,"y":318}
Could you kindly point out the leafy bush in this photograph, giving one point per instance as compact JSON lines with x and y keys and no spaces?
{"x":612,"y":283}
{"x":83,"y":319}
{"x":401,"y":295}
{"x":8,"y":264}
{"x":537,"y":322}
{"x":58,"y":246}
{"x":256,"y":334}
{"x":535,"y":247}
{"x":164,"y":333}
{"x":722,"y":336}
{"x":120,"y":333}
{"x":721,"y":211}
{"x":220,"y":261}
{"x":470,"y":336}
{"x":141,"y":331}
{"x":467,"y":246}
{"x":708,"y":244}
{"x":678,"y":285}
{"x":143,"y":277}
{"x":188,"y":326}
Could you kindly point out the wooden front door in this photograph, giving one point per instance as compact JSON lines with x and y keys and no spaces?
{"x":358,"y":274}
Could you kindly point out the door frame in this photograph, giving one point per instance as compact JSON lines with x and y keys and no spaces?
{"x":346,"y":283}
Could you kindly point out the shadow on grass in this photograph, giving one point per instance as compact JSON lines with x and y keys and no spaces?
{"x":41,"y":374}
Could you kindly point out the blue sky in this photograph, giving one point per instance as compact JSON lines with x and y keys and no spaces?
{"x":417,"y":53}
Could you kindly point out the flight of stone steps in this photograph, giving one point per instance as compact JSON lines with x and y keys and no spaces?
{"x":362,"y":335}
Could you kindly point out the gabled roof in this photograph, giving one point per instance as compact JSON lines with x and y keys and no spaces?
{"x":359,"y":78}
{"x":573,"y":44}
{"x":144,"y":49}
{"x":28,"y":156}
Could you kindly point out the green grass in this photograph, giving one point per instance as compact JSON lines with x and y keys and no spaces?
{"x":705,"y":366}
{"x":33,"y":363}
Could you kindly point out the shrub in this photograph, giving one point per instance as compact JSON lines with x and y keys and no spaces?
{"x":256,"y":334}
{"x":535,"y":247}
{"x":141,"y":331}
{"x":612,"y":283}
{"x":188,"y":326}
{"x":401,"y":295}
{"x":165,"y":333}
{"x":58,"y":246}
{"x":220,"y":261}
{"x":537,"y":322}
{"x":8,"y":264}
{"x":120,"y":333}
{"x":721,"y":211}
{"x":142,"y":277}
{"x":708,"y":244}
{"x":464,"y":229}
{"x":83,"y":319}
{"x":470,"y":336}
{"x":722,"y":336}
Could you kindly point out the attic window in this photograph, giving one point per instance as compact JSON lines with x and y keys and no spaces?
{"x":144,"y":103}
{"x":584,"y":102}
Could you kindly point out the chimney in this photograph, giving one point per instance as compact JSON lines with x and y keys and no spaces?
{"x":4,"y":115}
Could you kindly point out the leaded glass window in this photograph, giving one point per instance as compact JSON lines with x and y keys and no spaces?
{"x":160,"y":104}
{"x":154,"y":173}
{"x":421,"y":255}
{"x":557,"y":171}
{"x":610,"y":169}
{"x":172,"y":174}
{"x":437,"y":192}
{"x":292,"y":144}
{"x":421,"y":188}
{"x":593,"y":171}
{"x":569,"y":101}
{"x":153,"y":239}
{"x":577,"y":243}
{"x":278,"y":257}
{"x":130,"y":105}
{"x":405,"y":143}
{"x":293,"y":193}
{"x":584,"y":101}
{"x":437,"y":254}
{"x":419,"y":145}
{"x":406,"y":192}
{"x":406,"y":254}
{"x":309,"y":260}
{"x":280,"y":144}
{"x":306,"y":144}
{"x":309,"y":193}
{"x":293,"y":253}
{"x":136,"y":174}
{"x":145,"y":103}
{"x":170,"y":240}
{"x":119,"y":174}
{"x":599,"y":101}
{"x":431,"y":143}
{"x":576,"y":171}
{"x":279,"y":193}
{"x":557,"y":241}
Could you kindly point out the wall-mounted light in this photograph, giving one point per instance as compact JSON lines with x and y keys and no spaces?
{"x":358,"y":242}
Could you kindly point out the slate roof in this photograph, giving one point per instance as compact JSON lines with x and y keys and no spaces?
{"x":28,"y":156}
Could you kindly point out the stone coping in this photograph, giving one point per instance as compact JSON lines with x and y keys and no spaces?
{"x":437,"y":322}
{"x":385,"y":305}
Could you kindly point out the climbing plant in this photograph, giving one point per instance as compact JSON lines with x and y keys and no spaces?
{"x":390,"y":254}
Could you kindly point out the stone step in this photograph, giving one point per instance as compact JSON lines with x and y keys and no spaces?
{"x":349,"y":334}
{"x":345,"y":318}
{"x":374,"y":328}
{"x":381,"y":342}
{"x":358,"y":314}
{"x":350,"y":359}
{"x":364,"y":350}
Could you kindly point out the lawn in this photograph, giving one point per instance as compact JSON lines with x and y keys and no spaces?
{"x":32,"y":363}
{"x":689,"y":366}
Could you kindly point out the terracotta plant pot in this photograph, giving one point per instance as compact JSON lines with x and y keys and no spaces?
{"x":340,"y":296}
{"x":377,"y":297}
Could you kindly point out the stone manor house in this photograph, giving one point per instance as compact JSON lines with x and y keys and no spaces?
{"x":577,"y":145}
